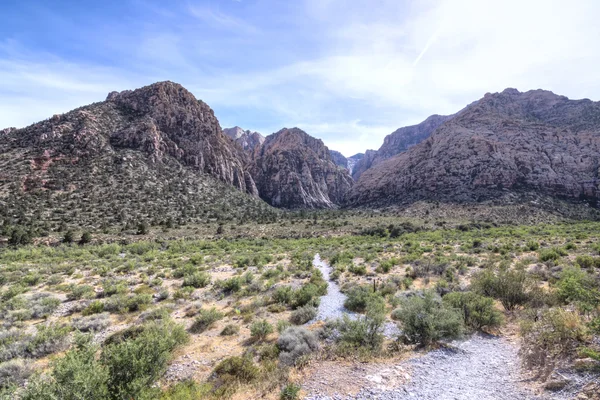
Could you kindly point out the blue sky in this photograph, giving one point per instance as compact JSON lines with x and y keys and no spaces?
{"x":346,"y":71}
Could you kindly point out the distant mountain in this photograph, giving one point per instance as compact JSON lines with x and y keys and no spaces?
{"x":295,"y":170}
{"x":147,"y":154}
{"x":246,"y":139}
{"x":353,"y":160}
{"x":400,"y":141}
{"x":339,"y":159}
{"x":509,"y":142}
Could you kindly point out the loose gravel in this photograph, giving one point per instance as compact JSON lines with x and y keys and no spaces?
{"x":482,"y":367}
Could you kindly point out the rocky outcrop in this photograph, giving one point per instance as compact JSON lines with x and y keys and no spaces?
{"x":339,"y":159}
{"x":399,"y":142}
{"x":295,"y":170}
{"x":246,"y":139}
{"x":509,"y":142}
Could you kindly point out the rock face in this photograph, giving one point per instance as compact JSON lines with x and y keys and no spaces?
{"x":339,"y":159}
{"x":159,"y":139}
{"x":400,"y":141}
{"x":246,"y":139}
{"x":295,"y":170}
{"x":509,"y":142}
{"x":352,"y":161}
{"x":363,"y":164}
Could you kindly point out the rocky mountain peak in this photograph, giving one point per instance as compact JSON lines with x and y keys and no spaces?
{"x":295,"y":170}
{"x":248,"y":140}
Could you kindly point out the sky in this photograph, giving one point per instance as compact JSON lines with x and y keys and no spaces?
{"x":347,"y":71}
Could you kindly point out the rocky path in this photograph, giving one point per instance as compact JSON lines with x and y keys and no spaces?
{"x":478,"y":368}
{"x":482,"y":367}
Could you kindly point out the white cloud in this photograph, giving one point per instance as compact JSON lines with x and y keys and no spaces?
{"x":376,"y":66}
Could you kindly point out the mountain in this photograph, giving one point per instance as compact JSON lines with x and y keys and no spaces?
{"x":246,"y":139}
{"x":363,"y":164}
{"x":353,"y":161}
{"x":506,"y":143}
{"x":151,"y":153}
{"x":295,"y":170}
{"x":400,"y":141}
{"x":338,"y":158}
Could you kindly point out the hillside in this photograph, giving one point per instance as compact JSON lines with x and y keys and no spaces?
{"x":152,"y":154}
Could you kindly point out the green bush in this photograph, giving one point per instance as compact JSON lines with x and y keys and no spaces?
{"x":237,"y":369}
{"x":512,"y":287}
{"x":307,"y":294}
{"x":478,"y":311}
{"x":135,"y":364}
{"x":365,"y":331}
{"x":48,"y":339}
{"x":231,"y":285}
{"x":76,"y":376}
{"x":290,"y":392}
{"x":302,"y":315}
{"x":205,"y":319}
{"x":230,"y":330}
{"x":425,"y":320}
{"x":95,"y":307}
{"x":578,"y":287}
{"x":197,"y":280}
{"x":80,"y":291}
{"x":551,"y":254}
{"x":259,"y":330}
{"x":359,"y":297}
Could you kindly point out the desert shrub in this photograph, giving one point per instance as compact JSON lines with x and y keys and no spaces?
{"x":13,"y":344}
{"x":259,"y":330}
{"x":512,"y":287}
{"x":86,"y":238}
{"x":77,"y":375}
{"x":552,"y":254}
{"x":302,"y":315}
{"x":283,"y":295}
{"x":48,"y":339}
{"x":553,"y":334}
{"x":294,"y":343}
{"x":478,"y":311}
{"x":187,"y":390}
{"x":231,"y":285}
{"x":365,"y":331}
{"x":138,"y":302}
{"x":80,"y":291}
{"x":425,"y":320}
{"x":14,"y":372}
{"x":532,"y":245}
{"x":359,"y":297}
{"x":282,"y":325}
{"x":359,"y":270}
{"x":95,"y":307}
{"x":112,"y":287}
{"x":237,"y":369}
{"x":307,"y":294}
{"x":42,"y":305}
{"x":578,"y":287}
{"x":230,"y":330}
{"x":197,"y":280}
{"x":133,"y":365}
{"x":290,"y":392}
{"x":92,"y":323}
{"x":205,"y":319}
{"x":586,"y":261}
{"x":160,"y":313}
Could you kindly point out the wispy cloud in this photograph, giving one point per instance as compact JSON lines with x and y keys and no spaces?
{"x":348,"y":72}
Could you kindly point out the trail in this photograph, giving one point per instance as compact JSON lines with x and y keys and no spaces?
{"x":481,"y":367}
